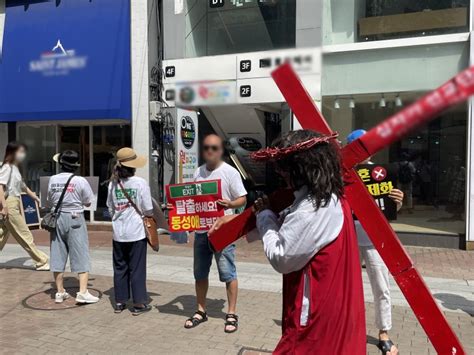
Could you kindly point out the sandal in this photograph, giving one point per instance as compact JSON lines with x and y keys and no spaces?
{"x":233,"y":323}
{"x":195,"y":320}
{"x":119,"y":307}
{"x":136,"y":311}
{"x":385,"y":346}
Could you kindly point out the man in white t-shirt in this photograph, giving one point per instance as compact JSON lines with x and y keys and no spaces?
{"x":233,"y":197}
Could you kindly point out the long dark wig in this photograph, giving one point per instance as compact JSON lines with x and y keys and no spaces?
{"x":10,"y":151}
{"x":318,"y":168}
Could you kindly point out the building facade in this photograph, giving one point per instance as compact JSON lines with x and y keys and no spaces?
{"x":74,"y":75}
{"x":377,"y":57}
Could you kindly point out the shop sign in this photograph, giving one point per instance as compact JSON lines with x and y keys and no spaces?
{"x":195,"y":205}
{"x":187,"y":145}
{"x":379,"y":182}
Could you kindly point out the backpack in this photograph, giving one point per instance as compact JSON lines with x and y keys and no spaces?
{"x":405,"y":174}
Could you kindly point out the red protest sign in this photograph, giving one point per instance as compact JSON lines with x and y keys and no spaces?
{"x":195,"y":205}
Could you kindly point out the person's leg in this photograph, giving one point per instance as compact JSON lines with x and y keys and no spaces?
{"x":4,"y":234}
{"x":78,"y":244}
{"x":228,"y":273}
{"x":137,"y":267}
{"x":121,"y":272}
{"x":17,"y":226}
{"x":59,"y":281}
{"x":201,"y":267}
{"x":379,"y":282}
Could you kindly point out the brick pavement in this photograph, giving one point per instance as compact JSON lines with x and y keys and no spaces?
{"x":434,"y":262}
{"x":95,"y":329}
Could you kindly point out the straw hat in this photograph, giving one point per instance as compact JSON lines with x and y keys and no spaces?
{"x":68,"y":157}
{"x":128,"y":157}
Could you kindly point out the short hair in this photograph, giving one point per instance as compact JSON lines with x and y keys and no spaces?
{"x":217,"y":136}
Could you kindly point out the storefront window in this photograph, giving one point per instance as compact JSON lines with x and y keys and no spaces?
{"x":405,"y":18}
{"x":223,"y":27}
{"x":39,"y":161}
{"x":370,"y":20}
{"x":107,"y":140}
{"x":429,"y":165}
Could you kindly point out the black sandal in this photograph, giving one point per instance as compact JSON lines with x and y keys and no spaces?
{"x":119,"y":307}
{"x":385,"y":346}
{"x":136,"y":311}
{"x":195,"y":320}
{"x":233,"y":323}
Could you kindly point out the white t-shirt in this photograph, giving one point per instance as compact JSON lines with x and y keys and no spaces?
{"x":231,"y":182}
{"x":10,"y":176}
{"x":126,"y":222}
{"x":78,"y":193}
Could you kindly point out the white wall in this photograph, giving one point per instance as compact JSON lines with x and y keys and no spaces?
{"x":140,"y":96}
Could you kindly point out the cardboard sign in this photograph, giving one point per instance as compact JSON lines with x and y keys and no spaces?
{"x":30,"y":211}
{"x":379,"y":182}
{"x":195,"y":205}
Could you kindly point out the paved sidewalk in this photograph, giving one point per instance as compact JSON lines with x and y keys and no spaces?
{"x":27,"y":326}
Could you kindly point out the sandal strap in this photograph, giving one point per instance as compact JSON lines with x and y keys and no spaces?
{"x":201,"y":313}
{"x":231,"y":315}
{"x":385,"y":346}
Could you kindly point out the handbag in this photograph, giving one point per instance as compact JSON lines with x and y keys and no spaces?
{"x":50,"y":220}
{"x":151,"y":230}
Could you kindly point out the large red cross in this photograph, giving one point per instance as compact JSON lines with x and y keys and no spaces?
{"x":375,"y":224}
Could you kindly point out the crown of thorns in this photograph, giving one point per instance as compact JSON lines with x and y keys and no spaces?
{"x":280,"y":153}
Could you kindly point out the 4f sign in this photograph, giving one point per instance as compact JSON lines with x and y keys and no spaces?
{"x":216,"y":3}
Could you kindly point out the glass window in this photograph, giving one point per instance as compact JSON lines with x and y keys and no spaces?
{"x":239,"y":26}
{"x":384,"y":19}
{"x":429,"y":165}
{"x":39,"y":162}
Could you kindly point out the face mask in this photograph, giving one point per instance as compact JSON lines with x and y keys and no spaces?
{"x":20,"y":157}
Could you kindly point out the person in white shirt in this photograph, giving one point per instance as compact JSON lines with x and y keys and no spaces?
{"x":70,"y":238}
{"x":377,"y":271}
{"x":313,"y":244}
{"x":233,"y":197}
{"x":130,"y":241}
{"x":11,"y":220}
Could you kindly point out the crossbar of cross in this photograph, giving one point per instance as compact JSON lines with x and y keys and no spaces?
{"x":383,"y":237}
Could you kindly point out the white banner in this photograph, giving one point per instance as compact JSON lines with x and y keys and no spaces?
{"x":186,"y":145}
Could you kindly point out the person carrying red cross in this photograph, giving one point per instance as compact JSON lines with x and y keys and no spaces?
{"x":313,"y":244}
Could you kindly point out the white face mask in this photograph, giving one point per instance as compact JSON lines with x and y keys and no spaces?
{"x":20,"y":157}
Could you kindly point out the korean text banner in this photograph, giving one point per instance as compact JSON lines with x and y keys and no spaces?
{"x":195,"y":205}
{"x":66,"y":60}
{"x":379,"y":180}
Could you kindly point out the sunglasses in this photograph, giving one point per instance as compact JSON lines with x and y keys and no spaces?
{"x":213,"y":148}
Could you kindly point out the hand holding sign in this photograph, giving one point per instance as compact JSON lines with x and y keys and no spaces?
{"x":194,"y":205}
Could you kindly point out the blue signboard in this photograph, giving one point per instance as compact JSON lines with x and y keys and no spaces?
{"x":66,"y":60}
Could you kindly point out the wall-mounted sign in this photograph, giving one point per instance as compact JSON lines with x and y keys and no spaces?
{"x":245,"y":66}
{"x":170,"y":71}
{"x":187,"y":145}
{"x":245,"y":91}
{"x":216,"y":3}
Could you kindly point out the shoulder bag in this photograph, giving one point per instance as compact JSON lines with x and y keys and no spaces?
{"x":50,"y":219}
{"x":149,"y":223}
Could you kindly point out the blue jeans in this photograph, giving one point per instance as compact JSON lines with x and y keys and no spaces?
{"x":203,"y":260}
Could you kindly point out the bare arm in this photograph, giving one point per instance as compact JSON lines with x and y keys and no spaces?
{"x":238,"y":202}
{"x":3,"y":202}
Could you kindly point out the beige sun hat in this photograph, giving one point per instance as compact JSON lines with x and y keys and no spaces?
{"x":128,"y":157}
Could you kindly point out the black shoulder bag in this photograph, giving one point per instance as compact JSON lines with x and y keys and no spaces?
{"x":50,"y":219}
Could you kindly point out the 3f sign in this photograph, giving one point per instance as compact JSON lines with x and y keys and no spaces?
{"x":216,"y":3}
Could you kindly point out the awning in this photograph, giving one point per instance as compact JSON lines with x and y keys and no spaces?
{"x":66,"y":60}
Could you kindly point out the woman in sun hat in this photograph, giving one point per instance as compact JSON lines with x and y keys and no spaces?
{"x":70,"y":238}
{"x":130,"y":242}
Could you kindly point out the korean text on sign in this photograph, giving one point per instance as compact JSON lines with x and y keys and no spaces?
{"x":195,"y":205}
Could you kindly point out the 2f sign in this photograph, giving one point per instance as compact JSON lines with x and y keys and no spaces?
{"x":216,"y":3}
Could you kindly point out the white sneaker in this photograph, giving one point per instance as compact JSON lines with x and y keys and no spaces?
{"x":86,"y":297}
{"x":44,"y":267}
{"x":61,"y":296}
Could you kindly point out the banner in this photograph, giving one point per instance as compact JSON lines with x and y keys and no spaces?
{"x":186,"y":145}
{"x":195,"y":205}
{"x":379,"y":181}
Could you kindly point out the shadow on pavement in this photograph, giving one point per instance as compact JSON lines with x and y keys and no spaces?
{"x":456,"y":302}
{"x":185,"y":306}
{"x":18,"y":263}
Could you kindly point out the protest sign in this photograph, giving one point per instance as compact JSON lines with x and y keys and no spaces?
{"x":379,"y":182}
{"x":195,"y":205}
